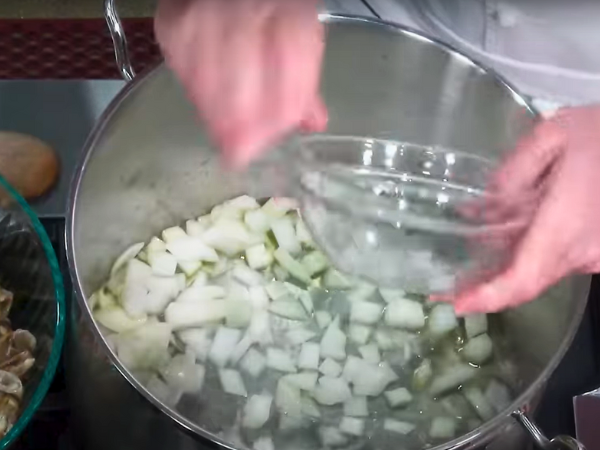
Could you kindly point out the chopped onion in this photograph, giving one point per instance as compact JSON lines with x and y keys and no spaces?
{"x":396,"y":426}
{"x":277,"y":291}
{"x":309,"y":356}
{"x":353,"y":368}
{"x":163,"y":392}
{"x":145,"y":347}
{"x":323,"y":319}
{"x":306,"y":301}
{"x":195,"y":314}
{"x":422,"y":375}
{"x":366,"y":313}
{"x":284,"y":232}
{"x":190,"y":248}
{"x":196,"y":228}
{"x":258,"y":257}
{"x":362,"y":293}
{"x":232,"y":382}
{"x":198,"y":341}
{"x":155,"y":245}
{"x":162,"y":263}
{"x":263,"y":443}
{"x":280,"y":360}
{"x":258,"y":298}
{"x":391,"y":295}
{"x":183,"y":374}
{"x":299,"y":336}
{"x":116,"y":319}
{"x":305,"y":381}
{"x":302,"y":233}
{"x":230,"y":237}
{"x":239,"y":314}
{"x":126,"y":256}
{"x":189,"y":268}
{"x":223,"y":345}
{"x":334,"y":279}
{"x":309,"y":407}
{"x":370,"y":353}
{"x":290,"y":309}
{"x":260,"y":328}
{"x":257,"y":411}
{"x":479,"y":402}
{"x":173,"y":234}
{"x":295,"y":269}
{"x":353,"y":426}
{"x":245,"y":275}
{"x":333,"y":343}
{"x":278,"y":207}
{"x":498,"y":395}
{"x":442,"y":319}
{"x":359,"y":334}
{"x":478,"y":349}
{"x":330,"y":368}
{"x":253,"y":363}
{"x":475,"y":325}
{"x":240,"y":349}
{"x":372,"y":382}
{"x":201,"y":293}
{"x":332,"y":437}
{"x":331,"y":391}
{"x":288,"y":398}
{"x":398,"y":397}
{"x":257,"y":221}
{"x":315,"y":262}
{"x":356,"y":407}
{"x":404,"y":313}
{"x":442,"y":428}
{"x":451,"y":378}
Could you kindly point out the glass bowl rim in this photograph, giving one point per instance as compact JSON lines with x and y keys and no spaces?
{"x":41,"y":389}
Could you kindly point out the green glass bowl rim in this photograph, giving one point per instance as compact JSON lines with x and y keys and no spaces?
{"x":59,"y":329}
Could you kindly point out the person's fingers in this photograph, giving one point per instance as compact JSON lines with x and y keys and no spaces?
{"x":531,"y":158}
{"x":315,"y":120}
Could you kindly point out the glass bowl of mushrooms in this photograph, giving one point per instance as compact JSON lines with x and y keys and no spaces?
{"x":32,"y":314}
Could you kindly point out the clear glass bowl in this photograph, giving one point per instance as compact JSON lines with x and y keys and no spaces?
{"x":403,"y":215}
{"x":30,"y":270}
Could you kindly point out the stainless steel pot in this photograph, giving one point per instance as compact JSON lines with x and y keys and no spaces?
{"x":148,"y":165}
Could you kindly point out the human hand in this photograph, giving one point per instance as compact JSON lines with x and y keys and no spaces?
{"x":251,"y":67}
{"x":562,"y":155}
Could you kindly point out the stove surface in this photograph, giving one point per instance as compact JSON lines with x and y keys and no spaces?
{"x":63,"y":113}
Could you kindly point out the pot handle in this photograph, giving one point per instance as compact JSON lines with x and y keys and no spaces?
{"x":117,"y":33}
{"x":561,"y":442}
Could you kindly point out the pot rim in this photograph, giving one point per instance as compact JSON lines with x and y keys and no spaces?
{"x":488,"y":429}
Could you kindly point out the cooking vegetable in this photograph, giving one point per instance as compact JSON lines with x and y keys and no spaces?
{"x":333,"y":344}
{"x":232,"y":382}
{"x":309,"y":356}
{"x":223,"y":345}
{"x":305,"y":381}
{"x":475,"y":325}
{"x":280,"y":360}
{"x":404,"y":313}
{"x":264,"y":443}
{"x":398,"y":397}
{"x":331,"y":391}
{"x":396,"y":426}
{"x":370,"y":353}
{"x":253,"y":363}
{"x":288,"y":398}
{"x":330,"y":368}
{"x":356,"y":407}
{"x":451,"y":378}
{"x":365,"y":312}
{"x":259,"y":257}
{"x":257,"y":411}
{"x":481,"y":404}
{"x":442,"y":428}
{"x":478,"y":349}
{"x":442,"y":319}
{"x":353,"y":426}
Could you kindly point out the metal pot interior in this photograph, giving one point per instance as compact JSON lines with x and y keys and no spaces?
{"x":149,"y":165}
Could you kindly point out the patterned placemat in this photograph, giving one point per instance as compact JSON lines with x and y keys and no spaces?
{"x":70,"y":49}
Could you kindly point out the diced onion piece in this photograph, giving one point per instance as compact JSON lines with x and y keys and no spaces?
{"x":280,"y":273}
{"x":196,"y":228}
{"x":309,"y":356}
{"x":422,"y":375}
{"x":332,"y":437}
{"x":323,"y":319}
{"x":310,"y":408}
{"x":232,"y":382}
{"x":442,"y":428}
{"x":145,"y":347}
{"x":366,"y":313}
{"x":479,"y":402}
{"x":333,"y":279}
{"x":258,"y":257}
{"x":182,"y":373}
{"x":359,"y":334}
{"x":396,"y":426}
{"x":116,"y":319}
{"x":498,"y":395}
{"x":331,"y":391}
{"x":223,"y":345}
{"x":240,"y":349}
{"x":278,"y":207}
{"x":391,"y":295}
{"x":451,"y":378}
{"x":398,"y":397}
{"x":370,"y":353}
{"x":475,"y":325}
{"x":172,"y":234}
{"x":315,"y":262}
{"x":135,"y":291}
{"x":284,"y":232}
{"x":189,"y":268}
{"x":353,"y":368}
{"x":306,"y":301}
{"x":195,"y":314}
{"x":299,"y":336}
{"x":404,"y":313}
{"x":199,"y":279}
{"x":163,"y":392}
{"x":243,"y":203}
{"x":190,"y":248}
{"x":230,"y":237}
{"x":245,"y":275}
{"x":280,"y":360}
{"x":239,"y":313}
{"x":156,"y":245}
{"x":330,"y":368}
{"x":202,"y":293}
{"x":356,"y":407}
{"x":353,"y":426}
{"x":290,"y":309}
{"x":373,"y":381}
{"x":263,"y":443}
{"x":303,"y":234}
{"x":333,"y":343}
{"x":257,"y":221}
{"x":198,"y":341}
{"x":260,"y":328}
{"x":288,"y":398}
{"x":362,"y":293}
{"x":295,"y":269}
{"x":258,"y":298}
{"x":257,"y":411}
{"x":305,"y":381}
{"x":253,"y":363}
{"x":442,"y":319}
{"x":277,"y":290}
{"x":126,"y":256}
{"x":478,"y":349}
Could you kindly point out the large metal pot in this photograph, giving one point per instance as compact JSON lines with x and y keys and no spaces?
{"x":147,"y":165}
